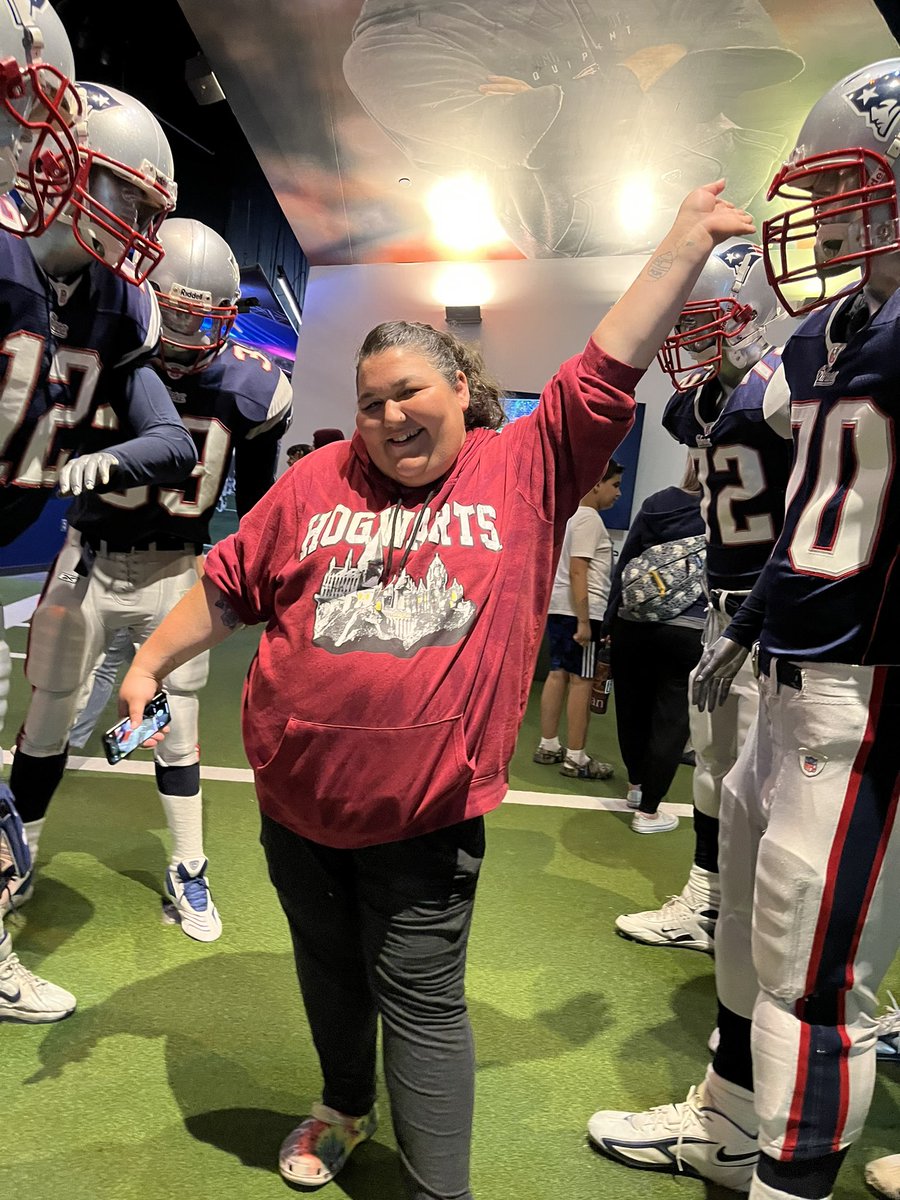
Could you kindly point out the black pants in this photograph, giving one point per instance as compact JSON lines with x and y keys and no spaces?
{"x":383,"y":932}
{"x":651,"y":662}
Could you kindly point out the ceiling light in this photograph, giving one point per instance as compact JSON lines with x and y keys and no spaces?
{"x":636,"y":204}
{"x":462,"y":214}
{"x":460,"y":284}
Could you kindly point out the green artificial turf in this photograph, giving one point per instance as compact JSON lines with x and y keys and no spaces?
{"x":186,"y":1064}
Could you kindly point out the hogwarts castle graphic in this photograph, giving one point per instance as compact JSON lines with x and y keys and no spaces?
{"x":356,"y":611}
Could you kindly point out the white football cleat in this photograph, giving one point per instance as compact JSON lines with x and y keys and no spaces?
{"x":692,"y":1138}
{"x":26,"y":997}
{"x":187,"y":889}
{"x":17,"y":891}
{"x":883,"y":1174}
{"x":675,"y":924}
{"x":888,"y":1047}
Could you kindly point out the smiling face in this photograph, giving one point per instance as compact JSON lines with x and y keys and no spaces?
{"x":410,"y":418}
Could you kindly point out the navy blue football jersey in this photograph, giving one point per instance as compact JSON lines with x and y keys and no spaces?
{"x":831,"y":590}
{"x":742,"y":451}
{"x":240,"y":403}
{"x":57,"y":342}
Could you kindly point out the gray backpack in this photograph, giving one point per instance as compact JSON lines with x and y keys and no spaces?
{"x":664,"y":581}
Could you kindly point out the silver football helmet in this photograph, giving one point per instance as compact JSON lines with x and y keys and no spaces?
{"x":843,"y":169}
{"x":39,"y":106}
{"x":726,"y":316}
{"x":125,"y":184}
{"x":198,"y":285}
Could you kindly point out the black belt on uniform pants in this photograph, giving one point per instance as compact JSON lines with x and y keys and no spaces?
{"x":103,"y":546}
{"x":726,"y":602}
{"x":784,"y":671}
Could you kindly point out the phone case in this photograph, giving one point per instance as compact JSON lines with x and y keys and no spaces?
{"x":156,"y":715}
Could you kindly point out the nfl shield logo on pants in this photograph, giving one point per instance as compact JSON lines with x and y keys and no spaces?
{"x":811,"y":764}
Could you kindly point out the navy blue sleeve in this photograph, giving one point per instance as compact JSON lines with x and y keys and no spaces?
{"x":747,"y":623}
{"x":163,"y":451}
{"x":255,"y":461}
{"x":640,"y":536}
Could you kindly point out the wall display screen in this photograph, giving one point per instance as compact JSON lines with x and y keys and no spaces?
{"x":520,"y":404}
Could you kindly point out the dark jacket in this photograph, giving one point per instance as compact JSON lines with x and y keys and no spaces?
{"x":663,"y":517}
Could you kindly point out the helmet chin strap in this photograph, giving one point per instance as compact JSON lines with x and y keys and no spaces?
{"x":748,"y":352}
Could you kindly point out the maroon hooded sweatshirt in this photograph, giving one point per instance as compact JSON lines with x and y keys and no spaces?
{"x":402,"y":624}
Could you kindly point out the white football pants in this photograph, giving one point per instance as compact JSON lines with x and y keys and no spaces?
{"x":717,"y":736}
{"x":810,"y":872}
{"x":77,"y":617}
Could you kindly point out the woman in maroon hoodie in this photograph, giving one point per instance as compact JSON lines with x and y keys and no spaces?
{"x":403,"y":577}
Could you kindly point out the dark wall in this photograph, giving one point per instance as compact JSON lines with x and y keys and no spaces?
{"x":219,"y":180}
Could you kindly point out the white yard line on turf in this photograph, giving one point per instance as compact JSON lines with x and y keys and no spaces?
{"x":20,"y":611}
{"x":245,"y":775}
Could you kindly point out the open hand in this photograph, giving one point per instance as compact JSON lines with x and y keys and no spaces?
{"x":82,"y":474}
{"x":705,"y":214}
{"x":715,"y":673}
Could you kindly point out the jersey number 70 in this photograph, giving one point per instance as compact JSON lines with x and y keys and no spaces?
{"x":849,"y":478}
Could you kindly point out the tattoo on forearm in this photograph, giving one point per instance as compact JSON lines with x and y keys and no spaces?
{"x":661,"y":265}
{"x":230,"y":618}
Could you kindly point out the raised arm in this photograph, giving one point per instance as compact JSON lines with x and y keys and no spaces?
{"x":634,"y":329}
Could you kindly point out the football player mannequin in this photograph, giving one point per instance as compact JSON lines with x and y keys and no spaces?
{"x":810,"y":842}
{"x":38,"y":156}
{"x":39,"y":106}
{"x":731,"y":409}
{"x":147,"y":540}
{"x":77,"y":327}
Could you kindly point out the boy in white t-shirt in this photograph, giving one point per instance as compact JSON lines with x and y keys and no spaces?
{"x":577,"y":605}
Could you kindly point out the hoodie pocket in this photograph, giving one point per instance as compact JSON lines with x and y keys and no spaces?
{"x":365,"y":785}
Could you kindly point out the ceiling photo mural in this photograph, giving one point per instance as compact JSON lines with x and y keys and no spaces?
{"x":427,"y":130}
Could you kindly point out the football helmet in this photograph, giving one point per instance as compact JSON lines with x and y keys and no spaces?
{"x":125,"y":185}
{"x":198,"y":285}
{"x":843,"y":169}
{"x":725,"y":315}
{"x":39,"y":106}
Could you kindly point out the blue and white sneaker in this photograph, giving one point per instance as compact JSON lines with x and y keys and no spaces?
{"x":188,"y":890}
{"x":15,"y":891}
{"x":695,"y":1138}
{"x":26,"y":997}
{"x":888,"y":1047}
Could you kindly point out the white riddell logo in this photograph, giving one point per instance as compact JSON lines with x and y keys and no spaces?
{"x":186,"y":293}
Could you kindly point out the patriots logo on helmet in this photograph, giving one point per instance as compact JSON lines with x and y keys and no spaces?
{"x":878,"y":100}
{"x":740,"y":258}
{"x":98,"y":97}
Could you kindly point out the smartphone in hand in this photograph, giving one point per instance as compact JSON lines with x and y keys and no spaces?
{"x":122,"y":739}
